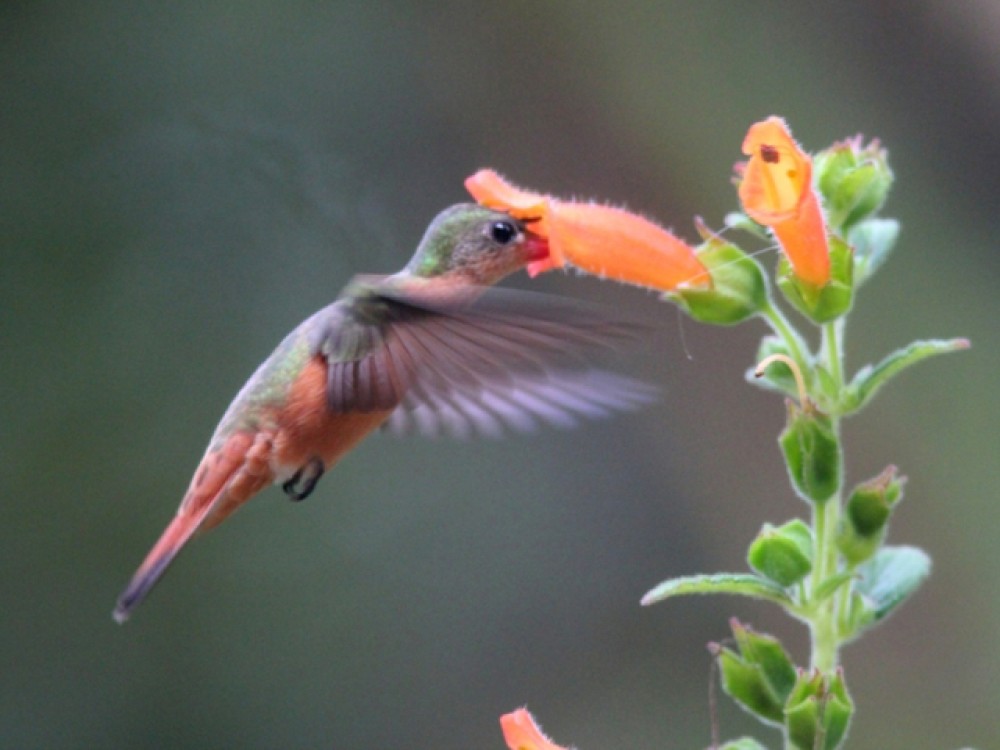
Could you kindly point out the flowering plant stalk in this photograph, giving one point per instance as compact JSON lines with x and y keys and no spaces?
{"x":831,"y":570}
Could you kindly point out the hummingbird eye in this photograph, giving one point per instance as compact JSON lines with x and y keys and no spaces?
{"x":503,"y":232}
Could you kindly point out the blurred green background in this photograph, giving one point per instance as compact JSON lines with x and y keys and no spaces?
{"x":182,"y":183}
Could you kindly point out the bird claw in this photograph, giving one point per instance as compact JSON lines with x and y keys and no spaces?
{"x":303,"y":482}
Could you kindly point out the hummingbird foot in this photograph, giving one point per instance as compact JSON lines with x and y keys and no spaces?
{"x":303,"y":482}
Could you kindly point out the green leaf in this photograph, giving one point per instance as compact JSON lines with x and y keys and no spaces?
{"x":873,"y":241}
{"x":829,"y":587}
{"x":739,"y":220}
{"x":889,"y":578}
{"x":870,"y":379}
{"x":742,"y":584}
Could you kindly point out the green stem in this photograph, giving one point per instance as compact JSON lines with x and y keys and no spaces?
{"x":833,"y":353}
{"x":780,"y":325}
{"x":825,"y":628}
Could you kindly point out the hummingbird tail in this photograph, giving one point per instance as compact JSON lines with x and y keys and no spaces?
{"x":157,"y":561}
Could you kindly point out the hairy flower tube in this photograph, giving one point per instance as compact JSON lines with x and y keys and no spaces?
{"x":601,"y":240}
{"x":522,"y":733}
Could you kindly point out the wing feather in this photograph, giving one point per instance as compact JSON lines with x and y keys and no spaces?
{"x":505,"y":360}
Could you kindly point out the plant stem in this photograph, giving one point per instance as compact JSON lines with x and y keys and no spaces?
{"x":824,"y":628}
{"x":823,"y":623}
{"x":833,"y":352}
{"x":780,"y":325}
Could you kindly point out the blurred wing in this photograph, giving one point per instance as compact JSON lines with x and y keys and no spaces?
{"x":556,"y":398}
{"x":502,"y":360}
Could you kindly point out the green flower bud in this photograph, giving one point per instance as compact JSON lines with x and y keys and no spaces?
{"x":867,"y":514}
{"x":812,"y":453}
{"x":760,"y":677}
{"x":830,"y":301}
{"x":739,"y":288}
{"x":853,"y":179}
{"x":818,"y":711}
{"x":783,"y":554}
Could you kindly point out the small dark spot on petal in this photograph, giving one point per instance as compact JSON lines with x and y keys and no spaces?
{"x":770,"y":154}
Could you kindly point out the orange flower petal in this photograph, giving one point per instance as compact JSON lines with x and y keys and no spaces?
{"x":776,"y":190}
{"x":803,"y":239}
{"x":778,"y":175}
{"x":493,"y":191}
{"x":522,"y":733}
{"x":609,"y":242}
{"x":613,"y":243}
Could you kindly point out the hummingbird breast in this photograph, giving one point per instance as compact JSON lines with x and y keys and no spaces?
{"x":308,"y":429}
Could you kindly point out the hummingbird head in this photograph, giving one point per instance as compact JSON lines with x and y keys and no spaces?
{"x":471,"y":244}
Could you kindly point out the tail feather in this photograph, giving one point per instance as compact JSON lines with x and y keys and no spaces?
{"x":227,"y":477}
{"x":157,"y":561}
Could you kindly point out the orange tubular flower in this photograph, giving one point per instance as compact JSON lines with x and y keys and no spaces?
{"x":777,"y":191}
{"x":522,"y":733}
{"x":602,"y":240}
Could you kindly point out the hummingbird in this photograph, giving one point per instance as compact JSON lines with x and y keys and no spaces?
{"x":431,"y":349}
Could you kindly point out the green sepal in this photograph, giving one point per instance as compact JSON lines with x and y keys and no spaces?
{"x":767,"y":653}
{"x":863,"y":526}
{"x":830,"y":301}
{"x":812,"y":453}
{"x":853,"y":179}
{"x":739,"y":288}
{"x":818,"y":712}
{"x":743,"y":683}
{"x":869,"y":379}
{"x":760,"y":676}
{"x":743,"y":743}
{"x":742,"y":584}
{"x":783,"y":554}
{"x":739,"y":220}
{"x":890,"y":578}
{"x":873,"y":241}
{"x":778,"y":376}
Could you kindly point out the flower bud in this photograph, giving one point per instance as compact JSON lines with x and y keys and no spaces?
{"x":853,"y":179}
{"x":818,"y":708}
{"x":784,"y":554}
{"x":759,"y":677}
{"x":739,"y":289}
{"x":867,"y":514}
{"x":812,"y":453}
